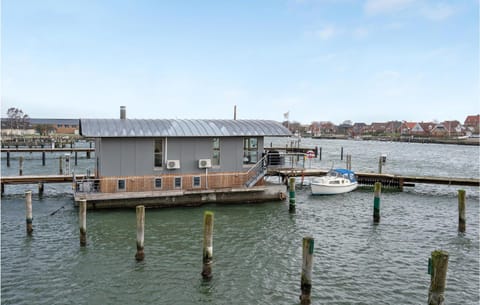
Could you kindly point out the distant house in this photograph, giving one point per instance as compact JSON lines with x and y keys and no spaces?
{"x":378,"y":128}
{"x":454,"y":128}
{"x":472,"y":122}
{"x":208,"y":160}
{"x":358,"y":128}
{"x":60,"y":126}
{"x":427,"y":127}
{"x":439,"y":130}
{"x":345,"y":129}
{"x":394,"y":127}
{"x":328,"y":128}
{"x":412,"y":128}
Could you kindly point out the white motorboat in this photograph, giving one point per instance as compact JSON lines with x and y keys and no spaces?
{"x":337,"y":181}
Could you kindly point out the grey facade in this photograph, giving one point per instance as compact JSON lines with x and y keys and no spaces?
{"x":125,"y":147}
{"x":135,"y":156}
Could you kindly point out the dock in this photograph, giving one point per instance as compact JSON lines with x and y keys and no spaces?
{"x":387,"y":180}
{"x":40,"y":179}
{"x":49,"y":149}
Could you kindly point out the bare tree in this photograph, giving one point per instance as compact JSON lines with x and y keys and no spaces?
{"x":17,"y":119}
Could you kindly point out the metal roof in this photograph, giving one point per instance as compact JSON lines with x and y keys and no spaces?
{"x":98,"y":128}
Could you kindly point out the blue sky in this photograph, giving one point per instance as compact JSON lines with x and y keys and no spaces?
{"x":319,"y":60}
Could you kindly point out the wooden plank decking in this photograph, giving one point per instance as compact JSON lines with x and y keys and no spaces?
{"x":48,"y":149}
{"x":33,"y":179}
{"x":364,"y":177}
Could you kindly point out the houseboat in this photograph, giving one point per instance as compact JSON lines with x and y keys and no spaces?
{"x":178,"y":162}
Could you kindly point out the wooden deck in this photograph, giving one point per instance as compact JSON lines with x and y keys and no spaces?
{"x":370,"y":178}
{"x":48,"y":149}
{"x":33,"y":179}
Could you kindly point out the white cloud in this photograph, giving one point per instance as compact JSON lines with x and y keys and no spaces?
{"x":438,"y":12}
{"x":326,"y":32}
{"x":373,"y":7}
{"x":360,"y":32}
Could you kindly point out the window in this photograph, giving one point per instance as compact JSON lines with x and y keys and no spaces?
{"x":196,"y":181}
{"x":178,"y":182}
{"x":158,"y":183}
{"x":121,"y":184}
{"x":250,"y":152}
{"x":158,"y":153}
{"x":216,"y":151}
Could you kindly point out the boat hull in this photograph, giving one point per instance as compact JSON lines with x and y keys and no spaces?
{"x":324,"y":189}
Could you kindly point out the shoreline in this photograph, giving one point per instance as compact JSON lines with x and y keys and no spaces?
{"x":468,"y":141}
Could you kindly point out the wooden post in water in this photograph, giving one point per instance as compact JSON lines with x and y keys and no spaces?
{"x":60,"y":165}
{"x":40,"y":188}
{"x":207,"y":244}
{"x":82,"y":213}
{"x":43,"y":158}
{"x":8,"y":159}
{"x":140,"y":211}
{"x":376,"y":202}
{"x":76,"y":158}
{"x":291,"y":190}
{"x":20,"y":166}
{"x":88,"y":152}
{"x":307,"y":266}
{"x":341,"y":154}
{"x":349,"y":162}
{"x":438,"y":277}
{"x":380,"y":164}
{"x":28,"y":206}
{"x":320,"y":154}
{"x":461,"y":211}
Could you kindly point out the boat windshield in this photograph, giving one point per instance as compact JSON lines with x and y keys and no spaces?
{"x":343,"y":173}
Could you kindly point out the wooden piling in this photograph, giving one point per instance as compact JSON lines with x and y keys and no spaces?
{"x":307,"y":266}
{"x":380,"y":164}
{"x":3,"y":188}
{"x":8,"y":159}
{"x":140,"y":210}
{"x":320,"y":154}
{"x":207,"y":244}
{"x":461,"y":211}
{"x":20,"y":166}
{"x":60,"y":165}
{"x":438,"y":277}
{"x":76,"y":158}
{"x":88,"y":152}
{"x":376,"y":202}
{"x":83,"y":222}
{"x":43,"y":158}
{"x":40,"y":188}
{"x":341,"y":154}
{"x":291,"y":190}
{"x":28,"y":206}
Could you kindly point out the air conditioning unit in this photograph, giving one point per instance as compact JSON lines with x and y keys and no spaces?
{"x":204,"y":163}
{"x":173,"y":164}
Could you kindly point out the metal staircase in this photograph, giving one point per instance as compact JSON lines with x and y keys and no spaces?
{"x":257,"y":172}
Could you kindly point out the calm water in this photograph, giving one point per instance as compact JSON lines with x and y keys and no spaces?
{"x":257,"y":247}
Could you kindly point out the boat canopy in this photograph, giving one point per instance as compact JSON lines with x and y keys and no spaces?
{"x":350,"y":175}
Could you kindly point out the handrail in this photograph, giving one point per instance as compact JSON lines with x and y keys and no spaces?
{"x":256,"y":171}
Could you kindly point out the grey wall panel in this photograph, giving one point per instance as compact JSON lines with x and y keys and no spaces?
{"x":144,"y":149}
{"x":110,"y":158}
{"x":134,"y":156}
{"x":128,"y":157}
